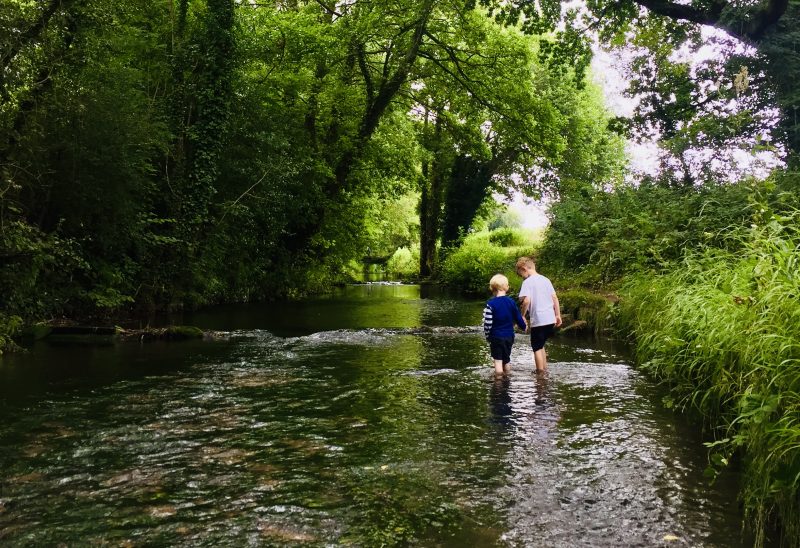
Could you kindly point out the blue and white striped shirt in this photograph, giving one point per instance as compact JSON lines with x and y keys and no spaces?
{"x":499,"y":317}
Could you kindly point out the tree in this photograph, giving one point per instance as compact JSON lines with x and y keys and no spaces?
{"x":496,"y":120}
{"x":770,"y":27}
{"x":169,"y":154}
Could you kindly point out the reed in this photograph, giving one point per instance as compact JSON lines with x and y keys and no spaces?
{"x":723,"y":329}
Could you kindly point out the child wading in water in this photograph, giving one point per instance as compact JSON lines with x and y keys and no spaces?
{"x":539,"y":299}
{"x":499,"y":317}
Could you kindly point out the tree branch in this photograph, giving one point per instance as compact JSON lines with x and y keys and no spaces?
{"x":362,"y":64}
{"x":330,"y":10}
{"x":751,"y":28}
{"x":684,"y":12}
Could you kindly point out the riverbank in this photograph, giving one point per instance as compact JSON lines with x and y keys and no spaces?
{"x":722,"y":334}
{"x":723,"y":331}
{"x":584,"y":313}
{"x":70,"y":331}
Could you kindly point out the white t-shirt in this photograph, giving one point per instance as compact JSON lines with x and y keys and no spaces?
{"x":540,"y":292}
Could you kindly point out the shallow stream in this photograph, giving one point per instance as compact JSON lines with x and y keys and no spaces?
{"x":368,"y":418}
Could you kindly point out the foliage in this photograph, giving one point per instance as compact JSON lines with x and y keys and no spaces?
{"x":38,"y":270}
{"x":392,"y":224}
{"x":508,"y":237}
{"x":155,"y":156}
{"x":9,"y":328}
{"x":404,"y":264}
{"x":723,"y":331}
{"x":470,"y":266}
{"x":697,"y":107}
{"x":597,"y":237}
{"x":496,"y":120}
{"x":596,"y":310}
{"x":501,"y":217}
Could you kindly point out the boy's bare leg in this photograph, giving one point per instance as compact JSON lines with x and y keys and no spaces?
{"x":498,"y":367}
{"x":540,"y":359}
{"x":541,"y":387}
{"x":507,"y":368}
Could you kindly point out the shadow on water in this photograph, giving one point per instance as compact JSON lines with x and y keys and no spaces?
{"x":369,"y":418}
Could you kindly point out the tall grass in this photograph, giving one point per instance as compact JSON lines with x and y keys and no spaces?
{"x":597,"y":238}
{"x":723,"y":328}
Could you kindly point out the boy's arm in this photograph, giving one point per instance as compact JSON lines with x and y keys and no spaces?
{"x":524,"y":304}
{"x":520,"y":319}
{"x":557,"y":309}
{"x":487,"y":321}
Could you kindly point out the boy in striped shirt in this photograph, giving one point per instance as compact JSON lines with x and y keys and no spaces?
{"x":499,"y":317}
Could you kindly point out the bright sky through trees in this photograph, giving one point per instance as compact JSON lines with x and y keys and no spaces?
{"x":608,"y":71}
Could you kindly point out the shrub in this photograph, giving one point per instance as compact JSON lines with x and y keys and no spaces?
{"x":503,"y":217}
{"x":404,"y":264}
{"x":470,"y":266}
{"x":507,"y":237}
{"x":9,"y":327}
{"x":596,"y":310}
{"x":601,"y":236}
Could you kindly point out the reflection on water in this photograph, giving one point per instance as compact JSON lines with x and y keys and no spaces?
{"x":500,"y":401}
{"x":369,"y":419}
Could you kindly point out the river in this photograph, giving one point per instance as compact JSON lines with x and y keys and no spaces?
{"x":370,"y":417}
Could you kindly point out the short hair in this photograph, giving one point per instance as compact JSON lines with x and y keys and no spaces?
{"x":498,"y":283}
{"x":525,"y":262}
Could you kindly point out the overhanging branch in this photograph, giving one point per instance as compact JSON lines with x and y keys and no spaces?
{"x":750,"y":27}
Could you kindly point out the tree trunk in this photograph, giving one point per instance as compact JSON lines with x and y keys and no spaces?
{"x":468,"y":188}
{"x":781,"y":49}
{"x":430,"y":206}
{"x":772,"y":28}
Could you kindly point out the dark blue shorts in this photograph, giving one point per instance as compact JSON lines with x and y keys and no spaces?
{"x":540,"y":334}
{"x":500,"y":348}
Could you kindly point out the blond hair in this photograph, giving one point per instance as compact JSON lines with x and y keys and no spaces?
{"x":498,"y":283}
{"x":525,"y":262}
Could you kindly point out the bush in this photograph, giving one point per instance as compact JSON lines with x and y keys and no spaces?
{"x":599,"y":237}
{"x":596,"y":310}
{"x":9,"y":327}
{"x":507,"y":237}
{"x":404,"y":264}
{"x":470,"y":266}
{"x":503,"y":217}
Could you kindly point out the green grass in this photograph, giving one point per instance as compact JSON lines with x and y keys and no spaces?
{"x":723,"y":329}
{"x":594,"y":309}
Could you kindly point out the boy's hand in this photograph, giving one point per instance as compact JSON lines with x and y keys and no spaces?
{"x":558,"y":320}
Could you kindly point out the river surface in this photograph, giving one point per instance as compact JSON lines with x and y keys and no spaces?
{"x":368,"y":418}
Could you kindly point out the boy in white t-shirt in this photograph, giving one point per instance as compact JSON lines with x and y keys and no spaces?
{"x":538,"y":297}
